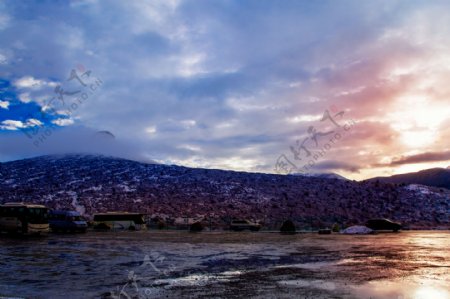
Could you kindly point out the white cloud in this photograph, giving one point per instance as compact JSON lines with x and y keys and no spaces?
{"x":13,"y":125}
{"x":32,"y":122}
{"x":4,"y":104}
{"x":153,"y":16}
{"x":151,"y":130}
{"x":32,"y":83}
{"x":191,"y":65}
{"x":188,"y":123}
{"x":63,"y":121}
{"x":219,"y":76}
{"x":190,"y":147}
{"x":27,"y":82}
{"x":59,"y":112}
{"x":3,"y":59}
{"x":4,"y":21}
{"x":305,"y":118}
{"x":25,"y":97}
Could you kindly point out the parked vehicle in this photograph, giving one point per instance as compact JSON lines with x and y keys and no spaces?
{"x":187,"y":222}
{"x":240,"y":225}
{"x":66,"y":221}
{"x":119,"y":221}
{"x":23,"y":218}
{"x":383,"y":224}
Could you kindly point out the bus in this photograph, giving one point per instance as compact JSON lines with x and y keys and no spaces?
{"x":240,"y":225}
{"x":119,"y":221}
{"x":23,"y":218}
{"x":67,"y":221}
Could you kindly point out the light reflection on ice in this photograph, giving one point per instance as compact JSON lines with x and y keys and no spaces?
{"x":318,"y":265}
{"x":426,"y":292}
{"x":315,"y":284}
{"x":198,"y":279}
{"x":420,"y":289}
{"x":195,"y":261}
{"x":310,"y":266}
{"x":189,"y":280}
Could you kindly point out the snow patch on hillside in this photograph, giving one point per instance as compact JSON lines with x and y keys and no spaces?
{"x":78,"y":207}
{"x":418,"y":188}
{"x":126,"y":188}
{"x":94,"y":188}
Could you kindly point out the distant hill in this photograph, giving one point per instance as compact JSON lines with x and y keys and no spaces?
{"x":435,"y":177}
{"x":325,"y":175}
{"x":93,"y":183}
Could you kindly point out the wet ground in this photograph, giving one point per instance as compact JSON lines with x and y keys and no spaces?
{"x":178,"y":264}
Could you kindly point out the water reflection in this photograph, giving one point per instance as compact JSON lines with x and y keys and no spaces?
{"x":426,"y":292}
{"x":408,"y":265}
{"x":420,"y":289}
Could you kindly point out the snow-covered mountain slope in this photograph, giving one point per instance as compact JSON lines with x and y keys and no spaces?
{"x":92,"y":184}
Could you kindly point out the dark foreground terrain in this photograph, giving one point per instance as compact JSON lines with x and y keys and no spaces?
{"x":92,"y":184}
{"x":178,"y":264}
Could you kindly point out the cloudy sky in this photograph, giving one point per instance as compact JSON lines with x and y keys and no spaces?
{"x":360,"y":88}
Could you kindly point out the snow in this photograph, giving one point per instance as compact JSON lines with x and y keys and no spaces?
{"x":126,"y":188}
{"x":79,"y":208}
{"x":357,"y":230}
{"x":418,"y":188}
{"x":94,"y":188}
{"x":74,"y":182}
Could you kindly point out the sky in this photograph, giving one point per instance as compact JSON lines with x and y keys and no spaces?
{"x":359,"y":88}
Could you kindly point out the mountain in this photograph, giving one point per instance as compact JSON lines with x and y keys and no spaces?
{"x":325,"y":175}
{"x":90,"y":184}
{"x":435,"y":177}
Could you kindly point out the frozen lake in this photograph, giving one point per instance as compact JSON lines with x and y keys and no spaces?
{"x":179,"y":264}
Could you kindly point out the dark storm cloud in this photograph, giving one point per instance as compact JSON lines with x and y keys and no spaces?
{"x":423,"y":158}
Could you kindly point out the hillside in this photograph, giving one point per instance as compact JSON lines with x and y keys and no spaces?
{"x":92,"y":184}
{"x":329,"y":175}
{"x":435,"y":177}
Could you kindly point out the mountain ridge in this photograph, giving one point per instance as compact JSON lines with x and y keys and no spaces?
{"x":325,"y":175}
{"x":434,"y":177}
{"x":93,"y":183}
